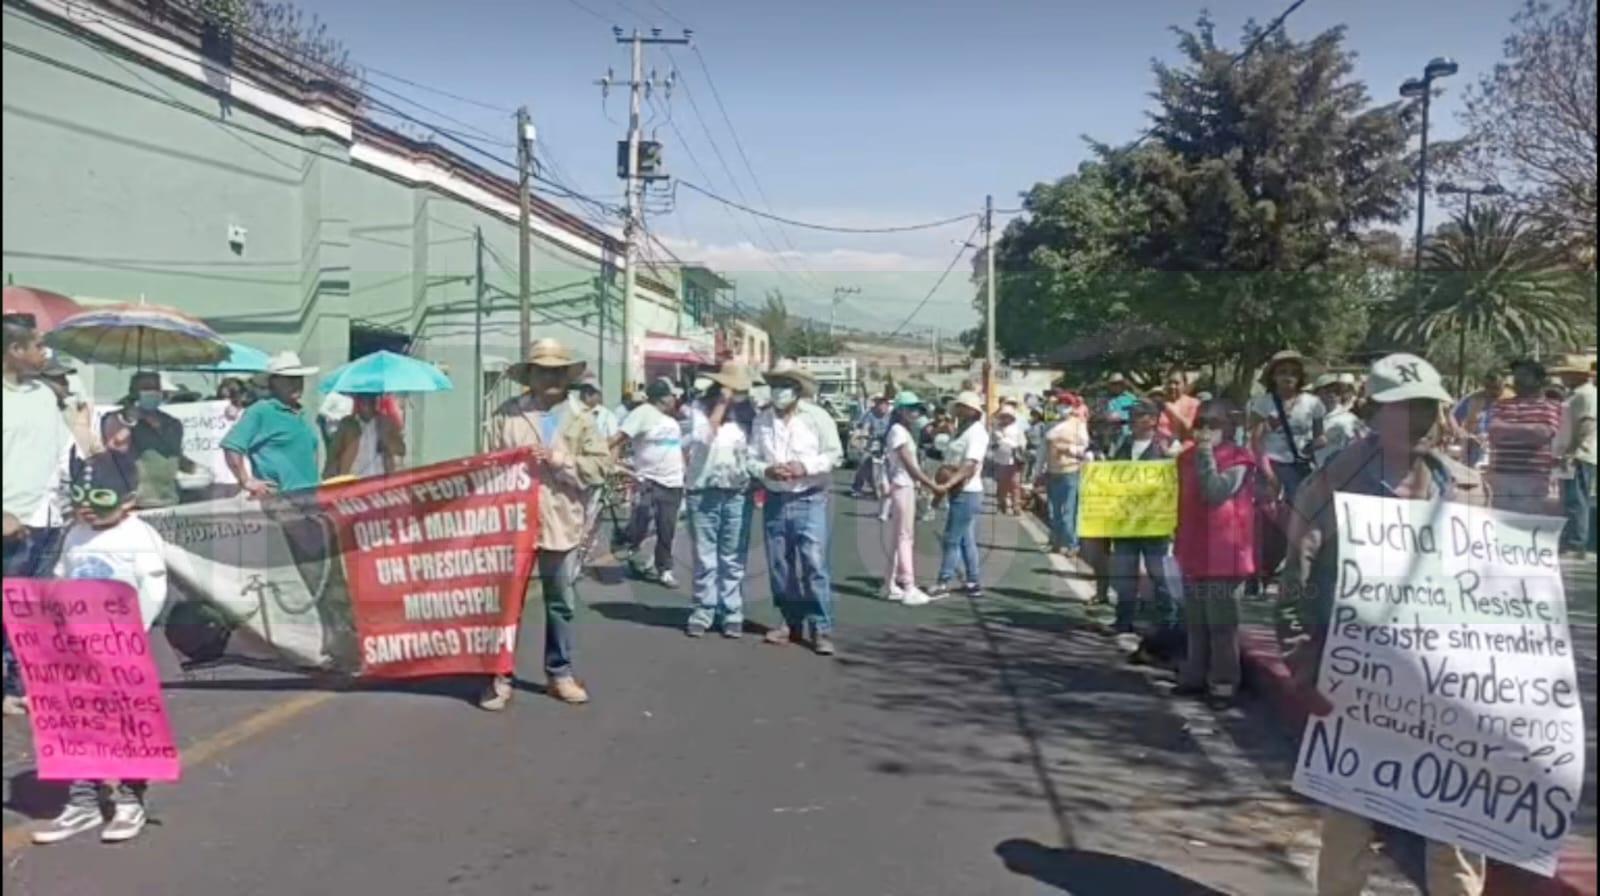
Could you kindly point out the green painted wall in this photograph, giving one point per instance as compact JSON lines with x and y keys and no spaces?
{"x":121,"y":181}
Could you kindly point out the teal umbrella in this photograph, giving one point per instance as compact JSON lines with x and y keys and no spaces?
{"x":241,"y":359}
{"x":382,"y":372}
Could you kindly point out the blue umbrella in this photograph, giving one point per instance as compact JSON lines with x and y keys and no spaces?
{"x":382,"y":372}
{"x":241,"y":359}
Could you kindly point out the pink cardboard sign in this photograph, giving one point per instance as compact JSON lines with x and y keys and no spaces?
{"x":94,"y":696}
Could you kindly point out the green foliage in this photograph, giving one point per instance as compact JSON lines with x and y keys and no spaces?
{"x":1236,"y":230}
{"x":1500,"y":277}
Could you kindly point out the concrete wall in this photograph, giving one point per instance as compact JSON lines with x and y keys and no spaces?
{"x":122,"y":177}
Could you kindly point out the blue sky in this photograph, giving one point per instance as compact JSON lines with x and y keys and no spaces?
{"x":865,"y":113}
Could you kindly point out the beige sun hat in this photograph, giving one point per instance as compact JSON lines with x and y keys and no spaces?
{"x":549,"y":354}
{"x":969,"y":398}
{"x":789,"y":371}
{"x":733,"y":375}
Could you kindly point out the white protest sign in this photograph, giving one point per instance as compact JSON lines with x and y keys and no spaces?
{"x":1449,"y":666}
{"x":204,"y":425}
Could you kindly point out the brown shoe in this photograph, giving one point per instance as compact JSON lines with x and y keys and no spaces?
{"x":567,"y":690}
{"x":497,"y":695}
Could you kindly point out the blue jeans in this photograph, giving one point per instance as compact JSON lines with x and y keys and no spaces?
{"x":960,"y":543}
{"x":558,"y":581}
{"x":1063,"y":488}
{"x":31,"y":554}
{"x":1156,"y":555}
{"x":721,"y":529}
{"x":1577,"y":498}
{"x":797,"y":559}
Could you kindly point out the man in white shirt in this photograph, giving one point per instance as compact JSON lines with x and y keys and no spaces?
{"x":962,"y":479}
{"x":794,"y":446}
{"x":586,"y":399}
{"x":36,"y":445}
{"x":654,"y":436}
{"x":1576,"y":452}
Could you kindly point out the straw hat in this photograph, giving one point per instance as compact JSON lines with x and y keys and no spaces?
{"x":970,"y":399}
{"x":735,"y":376}
{"x":1287,"y":356}
{"x":788,"y":371}
{"x":548,"y":354}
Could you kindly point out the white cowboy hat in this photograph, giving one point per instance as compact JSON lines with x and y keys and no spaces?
{"x":551,"y":355}
{"x":287,"y":363}
{"x":969,"y":398}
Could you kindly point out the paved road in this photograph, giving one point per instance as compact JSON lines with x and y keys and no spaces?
{"x":963,"y":748}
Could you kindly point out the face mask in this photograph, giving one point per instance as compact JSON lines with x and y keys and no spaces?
{"x":149,"y":400}
{"x":784,"y":397}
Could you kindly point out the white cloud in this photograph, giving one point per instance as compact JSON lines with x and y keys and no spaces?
{"x":744,"y":256}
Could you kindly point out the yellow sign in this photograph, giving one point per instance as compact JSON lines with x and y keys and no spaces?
{"x":1128,"y":499}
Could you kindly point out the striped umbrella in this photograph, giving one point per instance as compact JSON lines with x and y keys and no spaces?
{"x":241,"y":359}
{"x":153,"y":337}
{"x":48,"y":308}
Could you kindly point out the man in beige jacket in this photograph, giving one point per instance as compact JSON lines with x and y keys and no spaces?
{"x":572,"y":460}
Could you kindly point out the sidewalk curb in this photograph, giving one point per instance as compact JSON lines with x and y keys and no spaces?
{"x":1266,"y":672}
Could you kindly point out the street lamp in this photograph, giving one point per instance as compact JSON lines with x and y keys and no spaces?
{"x":1422,"y":88}
{"x":1450,"y":189}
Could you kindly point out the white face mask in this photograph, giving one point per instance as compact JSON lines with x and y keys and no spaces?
{"x":784,"y":397}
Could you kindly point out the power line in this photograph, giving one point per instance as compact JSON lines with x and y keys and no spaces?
{"x":437,"y":90}
{"x":965,"y":244}
{"x":830,"y":228}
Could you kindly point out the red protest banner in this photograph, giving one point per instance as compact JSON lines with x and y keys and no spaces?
{"x":94,"y":695}
{"x":437,"y":561}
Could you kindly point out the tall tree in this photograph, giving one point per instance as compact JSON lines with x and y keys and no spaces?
{"x":1235,"y":229}
{"x":1495,"y":276}
{"x":1532,"y":120}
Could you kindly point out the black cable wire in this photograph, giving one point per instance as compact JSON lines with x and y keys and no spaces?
{"x":1272,"y":26}
{"x":904,"y":228}
{"x":940,"y":282}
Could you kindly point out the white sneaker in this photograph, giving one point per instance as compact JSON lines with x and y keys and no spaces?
{"x":72,"y":821}
{"x":666,"y":580}
{"x":892,"y":592}
{"x":126,"y":823}
{"x":916,"y":597}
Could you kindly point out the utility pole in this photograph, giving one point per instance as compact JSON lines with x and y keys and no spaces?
{"x":632,"y":341}
{"x":525,"y":135}
{"x":477,"y":342}
{"x":839,"y":292}
{"x":990,"y":363}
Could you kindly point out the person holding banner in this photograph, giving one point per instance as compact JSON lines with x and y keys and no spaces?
{"x":1144,"y":443}
{"x":572,"y":459}
{"x":1216,"y":549}
{"x":155,"y":441}
{"x":1396,"y":460}
{"x":107,"y":541}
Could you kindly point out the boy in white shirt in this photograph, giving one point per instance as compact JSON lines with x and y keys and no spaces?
{"x":106,"y":541}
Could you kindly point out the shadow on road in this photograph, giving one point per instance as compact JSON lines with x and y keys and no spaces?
{"x":35,"y":798}
{"x":642,"y":614}
{"x":1088,"y":873}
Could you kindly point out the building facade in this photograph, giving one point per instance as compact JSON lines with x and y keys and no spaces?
{"x":138,"y":166}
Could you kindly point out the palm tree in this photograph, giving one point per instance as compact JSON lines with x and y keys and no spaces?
{"x":1493,"y":273}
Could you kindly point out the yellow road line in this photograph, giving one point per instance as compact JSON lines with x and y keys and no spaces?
{"x":20,"y":836}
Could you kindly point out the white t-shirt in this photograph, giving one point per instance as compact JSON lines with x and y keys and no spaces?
{"x":1304,"y":412}
{"x":657,"y":442}
{"x":129,"y":552}
{"x":1580,"y":405}
{"x":971,"y":445}
{"x":894,"y":468}
{"x":720,"y":459}
{"x":1010,"y":441}
{"x":1140,"y":446}
{"x":369,"y":457}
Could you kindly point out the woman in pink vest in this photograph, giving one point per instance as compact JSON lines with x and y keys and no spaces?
{"x":1216,"y":550}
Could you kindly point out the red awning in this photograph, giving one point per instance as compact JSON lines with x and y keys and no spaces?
{"x":675,"y":350}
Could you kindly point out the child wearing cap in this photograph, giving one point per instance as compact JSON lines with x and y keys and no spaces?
{"x":106,"y":541}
